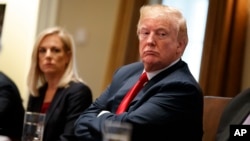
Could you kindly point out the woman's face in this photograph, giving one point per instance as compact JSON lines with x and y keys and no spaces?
{"x":52,"y":57}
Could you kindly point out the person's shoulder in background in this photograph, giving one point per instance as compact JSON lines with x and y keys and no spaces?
{"x":8,"y":86}
{"x":11,"y":110}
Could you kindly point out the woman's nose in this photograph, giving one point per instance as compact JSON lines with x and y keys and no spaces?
{"x":48,"y":53}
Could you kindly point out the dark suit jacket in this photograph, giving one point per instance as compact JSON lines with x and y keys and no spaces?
{"x":64,"y":109}
{"x":11,"y":109}
{"x":168,"y":108}
{"x":234,"y":113}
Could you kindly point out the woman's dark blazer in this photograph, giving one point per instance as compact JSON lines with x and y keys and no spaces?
{"x":234,"y":113}
{"x":11,"y":109}
{"x":67,"y":104}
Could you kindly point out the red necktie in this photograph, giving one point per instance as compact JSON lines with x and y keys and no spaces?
{"x":132,"y":93}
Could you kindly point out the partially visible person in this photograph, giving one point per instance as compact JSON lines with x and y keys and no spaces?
{"x":237,"y":112}
{"x":54,"y":85}
{"x":11,"y":109}
{"x":170,"y":105}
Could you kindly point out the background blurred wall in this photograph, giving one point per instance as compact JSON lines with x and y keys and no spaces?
{"x":18,"y":33}
{"x":92,"y":23}
{"x":246,"y":68}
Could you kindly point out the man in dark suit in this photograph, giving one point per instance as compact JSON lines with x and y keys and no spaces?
{"x":170,"y":105}
{"x":235,"y":113}
{"x":11,"y":109}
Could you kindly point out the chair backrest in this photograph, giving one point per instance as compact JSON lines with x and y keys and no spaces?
{"x":213,"y":108}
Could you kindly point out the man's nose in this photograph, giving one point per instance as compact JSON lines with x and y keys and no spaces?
{"x":151,"y":38}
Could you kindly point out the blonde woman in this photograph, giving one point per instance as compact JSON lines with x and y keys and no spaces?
{"x":54,"y":85}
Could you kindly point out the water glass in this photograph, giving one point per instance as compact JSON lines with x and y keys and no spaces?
{"x":116,"y":131}
{"x":33,"y":126}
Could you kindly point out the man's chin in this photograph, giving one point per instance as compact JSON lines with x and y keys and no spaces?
{"x":149,"y":60}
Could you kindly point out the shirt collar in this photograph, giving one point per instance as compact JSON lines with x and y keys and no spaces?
{"x":150,"y":75}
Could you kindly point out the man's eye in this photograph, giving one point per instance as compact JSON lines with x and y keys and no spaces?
{"x":161,"y":34}
{"x":145,"y":33}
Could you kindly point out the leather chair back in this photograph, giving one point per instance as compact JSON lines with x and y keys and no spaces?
{"x":213,"y":108}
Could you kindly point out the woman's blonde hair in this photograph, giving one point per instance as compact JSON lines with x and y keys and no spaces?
{"x":36,"y":78}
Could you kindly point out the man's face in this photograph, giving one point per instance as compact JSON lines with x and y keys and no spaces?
{"x":158,"y":44}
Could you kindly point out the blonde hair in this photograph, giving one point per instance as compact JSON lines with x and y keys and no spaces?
{"x":171,"y":14}
{"x":36,"y":78}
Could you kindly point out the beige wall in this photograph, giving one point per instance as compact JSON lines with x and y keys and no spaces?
{"x":19,"y":28}
{"x":95,"y":20}
{"x":24,"y":18}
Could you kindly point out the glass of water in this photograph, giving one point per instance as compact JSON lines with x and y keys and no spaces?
{"x":33,"y":126}
{"x":116,"y":131}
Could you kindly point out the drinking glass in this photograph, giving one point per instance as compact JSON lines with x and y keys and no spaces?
{"x":116,"y":131}
{"x":33,"y":126}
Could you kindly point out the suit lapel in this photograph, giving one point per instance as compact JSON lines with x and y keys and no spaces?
{"x":242,"y":113}
{"x":241,"y":110}
{"x":54,"y":103}
{"x":143,"y":94}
